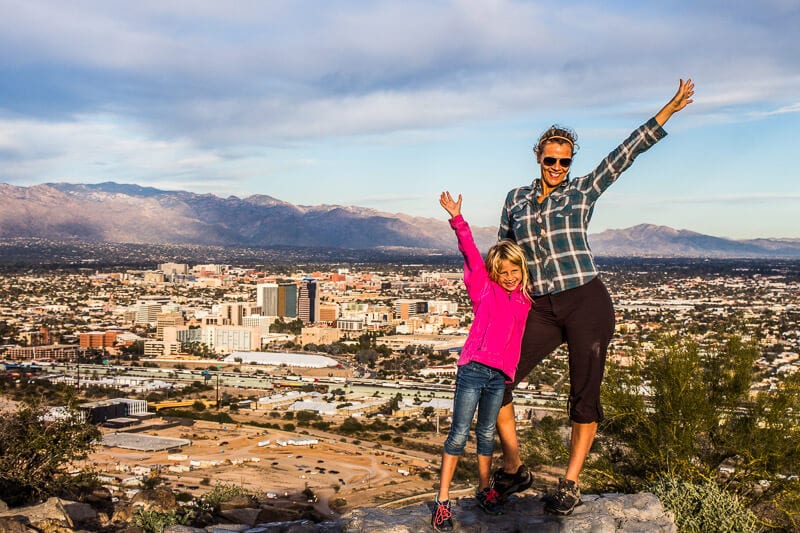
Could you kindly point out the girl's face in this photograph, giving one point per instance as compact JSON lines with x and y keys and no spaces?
{"x":509,"y":275}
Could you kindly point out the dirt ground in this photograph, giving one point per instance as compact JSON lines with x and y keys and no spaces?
{"x":332,"y":469}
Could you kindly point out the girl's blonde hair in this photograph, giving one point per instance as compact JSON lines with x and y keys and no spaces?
{"x":508,"y":250}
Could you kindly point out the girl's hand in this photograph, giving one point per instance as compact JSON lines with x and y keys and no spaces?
{"x":451,"y":206}
{"x":681,"y":99}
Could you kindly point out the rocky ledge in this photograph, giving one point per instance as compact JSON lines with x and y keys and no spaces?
{"x":607,"y":513}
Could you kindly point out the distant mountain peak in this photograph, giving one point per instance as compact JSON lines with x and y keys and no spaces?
{"x":118,"y":212}
{"x":110,"y":187}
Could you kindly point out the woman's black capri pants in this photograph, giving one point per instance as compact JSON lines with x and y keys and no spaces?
{"x":582,"y":317}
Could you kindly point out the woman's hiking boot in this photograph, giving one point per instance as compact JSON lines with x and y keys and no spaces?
{"x":507,"y":484}
{"x":566,"y":497}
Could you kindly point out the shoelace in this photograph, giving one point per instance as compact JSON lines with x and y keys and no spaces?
{"x":492,"y":496}
{"x":563,"y":493}
{"x":443,"y":514}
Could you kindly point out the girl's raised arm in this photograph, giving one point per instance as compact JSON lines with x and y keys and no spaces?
{"x":452,"y":207}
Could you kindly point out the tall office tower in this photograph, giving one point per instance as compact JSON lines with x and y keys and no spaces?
{"x":146,"y":313}
{"x":267,"y":298}
{"x":167,"y":320}
{"x":308,"y":301}
{"x":287,"y":300}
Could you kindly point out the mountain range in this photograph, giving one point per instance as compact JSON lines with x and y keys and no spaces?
{"x":127,"y":213}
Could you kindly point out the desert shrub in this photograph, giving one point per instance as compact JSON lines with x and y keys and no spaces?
{"x":38,"y":452}
{"x":222,"y":492}
{"x":153,"y":521}
{"x":697,"y":413}
{"x":701,"y":507}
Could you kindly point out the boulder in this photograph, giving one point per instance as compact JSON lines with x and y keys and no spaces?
{"x":47,"y":515}
{"x":249,"y":515}
{"x":238,"y":502}
{"x":608,"y":513}
{"x":80,"y":513}
{"x":156,"y":499}
{"x":10,"y":524}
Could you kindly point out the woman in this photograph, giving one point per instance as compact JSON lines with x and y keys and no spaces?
{"x":549,"y":220}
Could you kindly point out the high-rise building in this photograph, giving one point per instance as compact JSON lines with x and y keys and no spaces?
{"x":405,"y":308}
{"x":227,"y":339}
{"x":167,"y":320}
{"x":441,"y":307}
{"x":328,"y":312}
{"x":308,"y":301}
{"x":287,"y":300}
{"x":267,"y":298}
{"x":174,"y":269}
{"x":147,"y":313}
{"x":98,"y":339}
{"x":233,"y":312}
{"x":261,"y":322}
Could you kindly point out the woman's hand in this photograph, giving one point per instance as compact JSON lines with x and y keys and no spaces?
{"x":681,"y":99}
{"x":451,"y":206}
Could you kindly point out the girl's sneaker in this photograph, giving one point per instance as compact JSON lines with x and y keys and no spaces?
{"x":442,"y":518}
{"x":489,"y":501}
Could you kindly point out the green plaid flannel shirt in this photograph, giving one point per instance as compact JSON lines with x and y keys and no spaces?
{"x":554,"y":233}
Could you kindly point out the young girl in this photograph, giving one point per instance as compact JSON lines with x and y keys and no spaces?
{"x":500,"y":303}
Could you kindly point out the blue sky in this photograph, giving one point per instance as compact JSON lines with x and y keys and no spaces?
{"x":384,"y":104}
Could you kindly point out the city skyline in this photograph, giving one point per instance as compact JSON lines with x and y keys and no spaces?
{"x":385,"y":105}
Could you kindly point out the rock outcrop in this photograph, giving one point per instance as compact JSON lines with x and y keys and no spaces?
{"x":607,"y":513}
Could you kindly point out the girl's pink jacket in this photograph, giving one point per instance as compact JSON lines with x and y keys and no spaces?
{"x":495,"y":337}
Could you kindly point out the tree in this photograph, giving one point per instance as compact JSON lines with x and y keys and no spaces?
{"x":393,"y":404}
{"x":38,"y":452}
{"x":367,"y":356}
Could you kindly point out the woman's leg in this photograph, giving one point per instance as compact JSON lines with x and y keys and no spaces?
{"x":589,"y":328}
{"x":543,"y":334}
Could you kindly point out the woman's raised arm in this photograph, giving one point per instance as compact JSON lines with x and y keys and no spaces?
{"x":681,"y":99}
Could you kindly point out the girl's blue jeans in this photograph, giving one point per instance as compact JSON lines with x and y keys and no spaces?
{"x":477,"y":387}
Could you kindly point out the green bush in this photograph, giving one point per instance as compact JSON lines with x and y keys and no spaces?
{"x":222,"y":492}
{"x":699,"y":413}
{"x":701,"y":507}
{"x":155,"y":521}
{"x":38,"y":454}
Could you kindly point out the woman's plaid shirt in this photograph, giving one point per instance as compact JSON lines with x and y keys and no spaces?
{"x":553,"y":233}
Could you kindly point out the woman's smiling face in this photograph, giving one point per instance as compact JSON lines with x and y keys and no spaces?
{"x":553,"y":175}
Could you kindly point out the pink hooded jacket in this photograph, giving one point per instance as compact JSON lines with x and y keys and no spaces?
{"x":495,"y":337}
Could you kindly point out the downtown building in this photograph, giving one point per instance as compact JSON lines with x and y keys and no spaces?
{"x":267,"y":298}
{"x":308,"y":301}
{"x":405,"y":308}
{"x":287,"y":300}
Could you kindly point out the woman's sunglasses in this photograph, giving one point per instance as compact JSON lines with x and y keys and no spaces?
{"x":550,"y":161}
